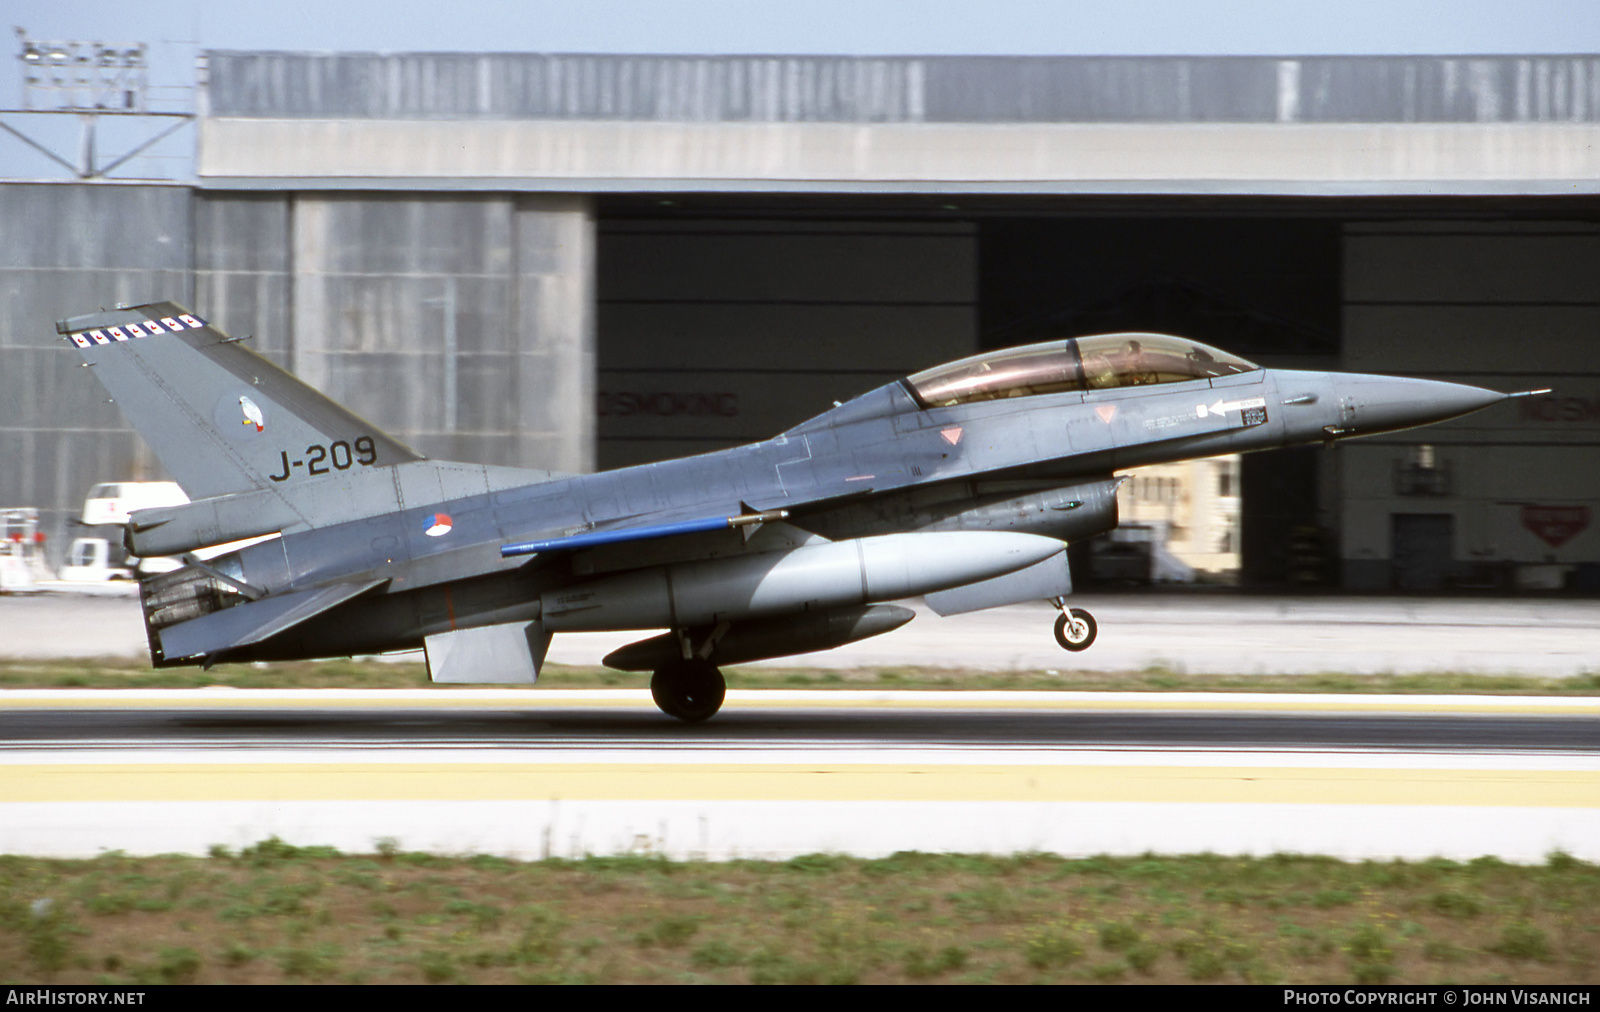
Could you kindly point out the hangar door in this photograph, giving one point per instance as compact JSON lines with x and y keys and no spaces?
{"x":1423,"y":546}
{"x":713,"y":333}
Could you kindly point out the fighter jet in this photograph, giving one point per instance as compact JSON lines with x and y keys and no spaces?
{"x":963,"y":484}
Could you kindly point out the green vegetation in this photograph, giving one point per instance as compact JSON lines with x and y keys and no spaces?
{"x":279,"y":913}
{"x":129,"y":673}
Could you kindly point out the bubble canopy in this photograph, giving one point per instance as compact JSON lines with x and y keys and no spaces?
{"x":1078,"y":363}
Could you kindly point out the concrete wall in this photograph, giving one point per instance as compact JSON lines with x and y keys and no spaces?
{"x":1248,"y":158}
{"x":462,"y":325}
{"x":1509,"y":306}
{"x":71,"y":249}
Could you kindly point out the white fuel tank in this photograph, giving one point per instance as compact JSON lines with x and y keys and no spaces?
{"x":831,"y":575}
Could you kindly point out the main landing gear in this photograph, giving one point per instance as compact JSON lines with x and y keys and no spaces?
{"x":691,"y":690}
{"x":1075,"y":628}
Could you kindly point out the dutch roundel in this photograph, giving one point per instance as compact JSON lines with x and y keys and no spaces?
{"x":437,"y":525}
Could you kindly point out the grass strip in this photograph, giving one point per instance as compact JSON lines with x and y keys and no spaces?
{"x":277,"y":913}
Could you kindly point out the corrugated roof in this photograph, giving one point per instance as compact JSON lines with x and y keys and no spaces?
{"x":952,"y":89}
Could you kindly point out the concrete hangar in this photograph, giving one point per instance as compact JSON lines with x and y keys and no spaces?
{"x":572,"y":261}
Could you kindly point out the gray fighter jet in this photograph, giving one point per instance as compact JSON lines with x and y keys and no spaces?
{"x":963,"y":484}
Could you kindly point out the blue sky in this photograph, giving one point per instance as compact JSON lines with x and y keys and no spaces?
{"x":1279,"y":27}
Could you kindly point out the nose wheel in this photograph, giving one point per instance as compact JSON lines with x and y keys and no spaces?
{"x":1075,"y":629}
{"x":691,"y":690}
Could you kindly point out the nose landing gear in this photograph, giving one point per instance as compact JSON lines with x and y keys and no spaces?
{"x":1075,"y":628}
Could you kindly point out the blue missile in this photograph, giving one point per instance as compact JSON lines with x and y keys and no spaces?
{"x":645,"y":533}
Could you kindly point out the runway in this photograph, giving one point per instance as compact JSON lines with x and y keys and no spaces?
{"x":609,"y":718}
{"x":530,"y":774}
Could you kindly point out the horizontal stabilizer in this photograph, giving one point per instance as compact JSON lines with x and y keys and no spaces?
{"x":250,"y":623}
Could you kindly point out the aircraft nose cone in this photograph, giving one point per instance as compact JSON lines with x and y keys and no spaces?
{"x":1387,"y":403}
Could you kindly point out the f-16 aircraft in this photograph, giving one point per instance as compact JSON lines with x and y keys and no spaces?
{"x":963,"y":483}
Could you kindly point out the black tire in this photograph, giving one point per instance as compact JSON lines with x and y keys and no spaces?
{"x":691,"y":691}
{"x":1063,"y":634}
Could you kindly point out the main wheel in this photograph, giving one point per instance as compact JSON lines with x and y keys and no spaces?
{"x":689,"y":690}
{"x":1076,"y":633}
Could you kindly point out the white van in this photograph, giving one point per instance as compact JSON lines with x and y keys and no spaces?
{"x":111,"y":502}
{"x":89,"y":560}
{"x":98,"y":556}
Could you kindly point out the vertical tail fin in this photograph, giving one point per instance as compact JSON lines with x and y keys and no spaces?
{"x":221,"y":418}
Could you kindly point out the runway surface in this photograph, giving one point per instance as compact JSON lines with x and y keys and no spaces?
{"x":533,"y":773}
{"x":535,"y":720}
{"x":1207,"y":632}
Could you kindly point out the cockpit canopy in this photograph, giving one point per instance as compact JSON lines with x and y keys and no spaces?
{"x":1078,"y":363}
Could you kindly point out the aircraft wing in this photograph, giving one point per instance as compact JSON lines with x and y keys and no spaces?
{"x":249,"y":623}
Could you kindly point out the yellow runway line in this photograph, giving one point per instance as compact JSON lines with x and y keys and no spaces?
{"x":45,"y":782}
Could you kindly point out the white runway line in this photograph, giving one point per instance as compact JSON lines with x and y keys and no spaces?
{"x":722,"y":830}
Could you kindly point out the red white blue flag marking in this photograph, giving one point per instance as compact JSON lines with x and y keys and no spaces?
{"x":437,"y":525}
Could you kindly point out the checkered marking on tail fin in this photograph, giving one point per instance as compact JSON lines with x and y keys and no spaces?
{"x":134,"y":331}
